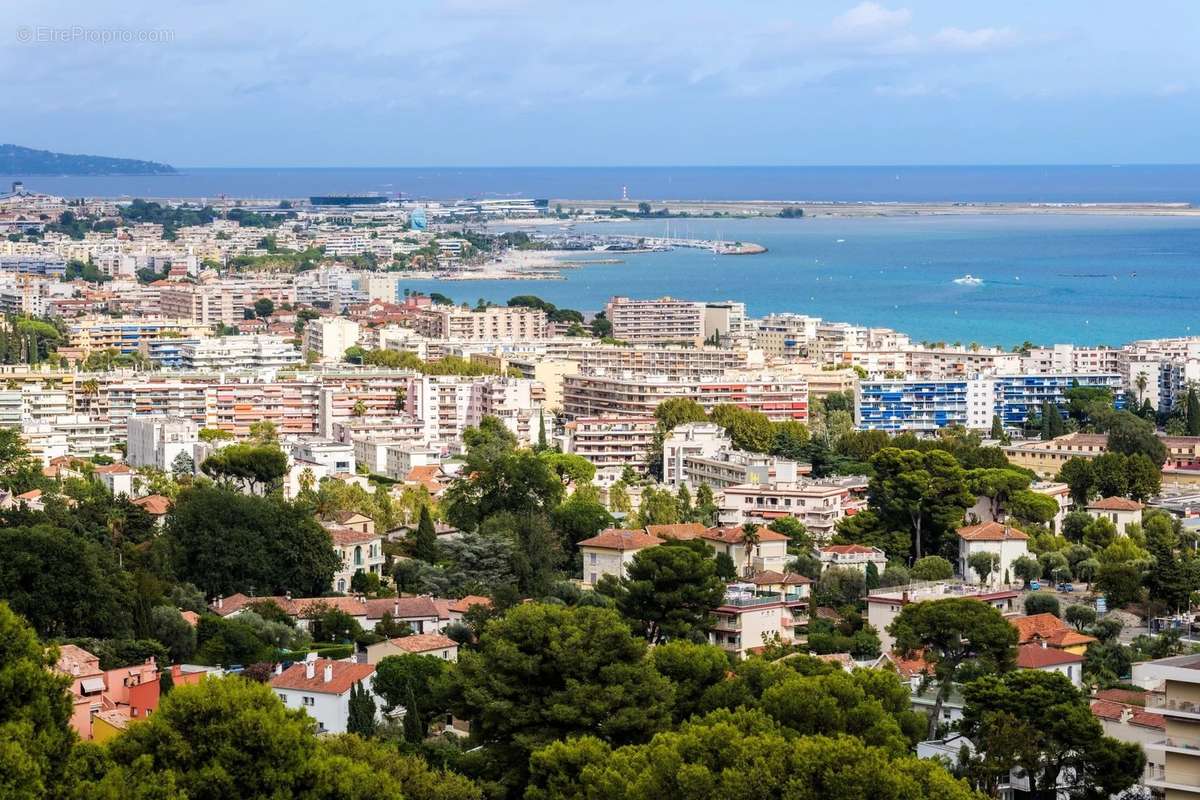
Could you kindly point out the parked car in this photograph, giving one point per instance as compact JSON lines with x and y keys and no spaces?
{"x":1066,"y":587}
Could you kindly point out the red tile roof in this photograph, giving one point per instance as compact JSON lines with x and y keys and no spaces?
{"x":344,"y":537}
{"x":770,"y":577}
{"x":424,"y":642}
{"x":1034,"y":656}
{"x":1049,"y":629}
{"x":465,"y":604}
{"x":991,"y":532}
{"x":345,"y":675}
{"x":679,"y":530}
{"x":1115,"y":504}
{"x":1127,"y":697}
{"x":618,"y":539}
{"x":1115,"y":712}
{"x":850,"y":549}
{"x":114,"y":469}
{"x":155,"y":504}
{"x":737,"y":535}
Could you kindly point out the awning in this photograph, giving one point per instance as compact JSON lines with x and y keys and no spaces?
{"x":90,"y":685}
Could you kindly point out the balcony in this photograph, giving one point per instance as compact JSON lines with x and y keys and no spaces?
{"x":1179,"y":744}
{"x":1182,"y":709}
{"x":1157,"y":777}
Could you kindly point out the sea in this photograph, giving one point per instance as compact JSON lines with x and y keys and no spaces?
{"x":1046,"y":277}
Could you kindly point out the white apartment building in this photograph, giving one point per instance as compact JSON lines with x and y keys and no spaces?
{"x":260,"y":351}
{"x":335,"y":457}
{"x":32,"y":403}
{"x":330,"y":337}
{"x":884,"y":605}
{"x":691,"y":440}
{"x":780,"y":396}
{"x":818,"y":505}
{"x":156,"y":440}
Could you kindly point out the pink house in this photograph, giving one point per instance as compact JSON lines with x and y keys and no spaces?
{"x":130,"y":691}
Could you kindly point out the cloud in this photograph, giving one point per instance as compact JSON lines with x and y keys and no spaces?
{"x":871,"y":18}
{"x":1172,"y":89}
{"x":977,"y":40}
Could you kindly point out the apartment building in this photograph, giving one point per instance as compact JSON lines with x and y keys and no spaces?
{"x":291,"y":405}
{"x":223,"y":301}
{"x":330,"y":337}
{"x":488,"y":325}
{"x":674,"y":361}
{"x":818,"y":505}
{"x":691,"y":441}
{"x":129,"y":335}
{"x":32,"y":403}
{"x":156,"y":440}
{"x":611,"y":443}
{"x":662,"y":321}
{"x":1177,"y":699}
{"x":601,"y":394}
{"x":750,"y":618}
{"x":260,"y":351}
{"x":52,"y":266}
{"x":925,"y":406}
{"x":1070,"y":358}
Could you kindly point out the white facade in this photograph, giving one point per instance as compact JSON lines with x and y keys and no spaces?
{"x":157,"y":440}
{"x":330,"y":337}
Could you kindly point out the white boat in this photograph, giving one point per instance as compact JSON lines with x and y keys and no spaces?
{"x":968,"y":280}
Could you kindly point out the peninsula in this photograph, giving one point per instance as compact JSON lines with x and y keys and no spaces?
{"x":22,"y":161}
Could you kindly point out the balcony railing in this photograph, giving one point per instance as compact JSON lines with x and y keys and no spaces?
{"x":1171,"y":704}
{"x":760,"y":600}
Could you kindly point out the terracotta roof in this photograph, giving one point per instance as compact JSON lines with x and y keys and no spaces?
{"x":991,"y":532}
{"x":619,"y":539}
{"x":345,"y":516}
{"x":427,"y":476}
{"x":736,"y":534}
{"x":770,"y":577}
{"x":114,"y":469}
{"x":1049,"y":629}
{"x":679,"y":530}
{"x":423,"y":642}
{"x":1107,"y":709}
{"x":32,"y":494}
{"x":910,"y":667}
{"x":191,"y":617}
{"x":423,"y":607}
{"x":1115,"y":504}
{"x":344,"y":537}
{"x":155,"y":504}
{"x":844,"y":660}
{"x":345,"y":675}
{"x":1116,"y":712}
{"x":850,"y":549}
{"x":77,"y":662}
{"x":465,"y":604}
{"x":1034,"y":656}
{"x":1128,"y":697}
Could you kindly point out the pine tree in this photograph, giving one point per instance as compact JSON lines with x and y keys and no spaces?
{"x":424,"y":546}
{"x":1193,"y":412}
{"x":361,"y":719}
{"x":684,"y":500}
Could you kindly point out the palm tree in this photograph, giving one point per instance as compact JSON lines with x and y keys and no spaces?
{"x":1141,"y":382}
{"x":360,"y":408}
{"x":750,"y":539}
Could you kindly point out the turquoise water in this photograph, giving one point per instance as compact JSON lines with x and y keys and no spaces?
{"x":1047,"y":278}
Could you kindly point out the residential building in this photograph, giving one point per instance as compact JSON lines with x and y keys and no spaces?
{"x":118,"y":479}
{"x":330,"y":337}
{"x":262,"y":351}
{"x":1176,"y":681}
{"x":156,"y":440}
{"x":691,"y":440}
{"x":1120,"y":511}
{"x":662,"y":321}
{"x":610,"y":552}
{"x":1004,"y":542}
{"x":113,"y":696}
{"x":1049,"y":631}
{"x":1048,"y":659}
{"x":336,"y":457}
{"x":851,"y":556}
{"x":765,"y":551}
{"x":750,"y":618}
{"x":493,"y":324}
{"x":819,"y":505}
{"x":780,"y":396}
{"x":321,"y":688}
{"x":611,"y":443}
{"x":435,"y":645}
{"x":358,"y":546}
{"x":883,"y":605}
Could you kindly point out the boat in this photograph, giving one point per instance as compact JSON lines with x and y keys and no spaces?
{"x":968,"y":280}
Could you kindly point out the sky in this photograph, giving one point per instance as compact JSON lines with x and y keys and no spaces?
{"x":652,"y":82}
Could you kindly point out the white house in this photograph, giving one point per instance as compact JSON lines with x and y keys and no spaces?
{"x":1006,"y":542}
{"x":119,"y":478}
{"x":1120,"y":511}
{"x":321,"y":687}
{"x":1051,"y":659}
{"x":854,"y":556}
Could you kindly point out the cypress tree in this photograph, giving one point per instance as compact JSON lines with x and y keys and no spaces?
{"x":414,"y":730}
{"x":361,"y":719}
{"x":541,"y":431}
{"x":424,"y":545}
{"x":1193,"y":412}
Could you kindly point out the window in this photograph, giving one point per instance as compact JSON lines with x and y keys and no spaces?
{"x":308,"y":701}
{"x":282,"y":697}
{"x":591,"y":577}
{"x":591,"y":558}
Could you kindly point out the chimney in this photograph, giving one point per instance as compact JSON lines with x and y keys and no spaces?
{"x":288,"y":595}
{"x":279,"y":668}
{"x":328,"y":676}
{"x":396,"y":607}
{"x":220,"y":601}
{"x":310,"y":670}
{"x":1043,"y":644}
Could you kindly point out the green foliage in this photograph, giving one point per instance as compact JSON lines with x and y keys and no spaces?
{"x":1080,"y":616}
{"x":922,"y":492}
{"x":932,"y":568}
{"x":253,"y":467}
{"x":984,"y":564}
{"x":839,"y":586}
{"x":225,"y":541}
{"x":1038,"y":722}
{"x":1042,"y":603}
{"x":669,"y":591}
{"x":424,"y":543}
{"x":35,"y":740}
{"x":692,"y":669}
{"x":543,"y":673}
{"x":1079,"y":475}
{"x":361,"y":716}
{"x":722,"y":756}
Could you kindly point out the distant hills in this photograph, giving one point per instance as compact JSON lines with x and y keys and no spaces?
{"x":20,"y":161}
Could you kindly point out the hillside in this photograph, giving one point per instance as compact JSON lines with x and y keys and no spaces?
{"x":21,"y":161}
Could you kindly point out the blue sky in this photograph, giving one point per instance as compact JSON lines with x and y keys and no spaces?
{"x":531,"y":82}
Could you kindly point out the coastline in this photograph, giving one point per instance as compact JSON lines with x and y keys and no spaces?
{"x":826,"y":208}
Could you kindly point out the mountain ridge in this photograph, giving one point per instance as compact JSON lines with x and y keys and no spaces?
{"x":19,"y":161}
